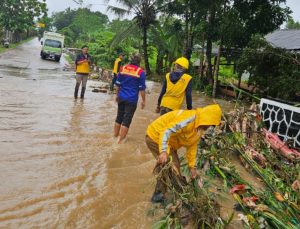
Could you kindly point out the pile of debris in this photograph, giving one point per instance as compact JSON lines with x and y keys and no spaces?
{"x":101,"y":88}
{"x":101,"y":74}
{"x":242,"y":136}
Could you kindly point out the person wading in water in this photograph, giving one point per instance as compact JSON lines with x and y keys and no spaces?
{"x":130,"y":83}
{"x":83,"y":63}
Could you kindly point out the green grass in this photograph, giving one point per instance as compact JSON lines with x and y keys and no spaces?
{"x":14,"y":45}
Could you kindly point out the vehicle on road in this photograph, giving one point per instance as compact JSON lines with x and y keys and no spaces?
{"x":6,"y":43}
{"x":52,"y":45}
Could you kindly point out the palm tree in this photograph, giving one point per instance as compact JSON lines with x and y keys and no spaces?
{"x":145,"y":14}
{"x":167,"y":38}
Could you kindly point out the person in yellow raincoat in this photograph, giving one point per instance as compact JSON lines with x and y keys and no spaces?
{"x":176,"y":87}
{"x":176,"y":129}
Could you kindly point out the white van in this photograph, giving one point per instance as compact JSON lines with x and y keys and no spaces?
{"x":52,"y":45}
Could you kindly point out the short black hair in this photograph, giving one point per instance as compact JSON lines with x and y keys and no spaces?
{"x":84,"y":46}
{"x":136,"y":59}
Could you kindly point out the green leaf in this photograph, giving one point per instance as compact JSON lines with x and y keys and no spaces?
{"x":162,"y":224}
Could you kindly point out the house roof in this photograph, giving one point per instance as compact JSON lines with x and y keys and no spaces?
{"x":287,"y":39}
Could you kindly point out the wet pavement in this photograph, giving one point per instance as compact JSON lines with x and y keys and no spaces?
{"x":60,"y":166}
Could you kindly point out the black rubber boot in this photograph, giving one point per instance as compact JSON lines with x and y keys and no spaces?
{"x":76,"y":90}
{"x":82,"y":92}
{"x":111,"y":88}
{"x":113,"y":81}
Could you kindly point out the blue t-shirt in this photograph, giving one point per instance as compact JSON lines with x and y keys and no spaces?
{"x":131,"y":79}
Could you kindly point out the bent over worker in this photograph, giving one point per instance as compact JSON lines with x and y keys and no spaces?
{"x":130,"y":82}
{"x":176,"y":86}
{"x":176,"y":129}
{"x":83,"y":63}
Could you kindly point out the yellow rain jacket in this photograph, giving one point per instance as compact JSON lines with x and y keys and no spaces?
{"x":116,"y":66}
{"x":83,"y":68}
{"x":175,"y":93}
{"x":178,"y":129}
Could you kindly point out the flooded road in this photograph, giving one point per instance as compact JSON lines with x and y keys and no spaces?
{"x":60,"y":166}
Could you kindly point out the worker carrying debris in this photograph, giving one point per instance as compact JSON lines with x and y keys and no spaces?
{"x":176,"y":129}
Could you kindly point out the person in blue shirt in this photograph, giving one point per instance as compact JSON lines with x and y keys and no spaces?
{"x":131,"y":81}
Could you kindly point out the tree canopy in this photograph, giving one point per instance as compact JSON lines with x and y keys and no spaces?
{"x":144,"y":16}
{"x":19,"y":15}
{"x":275,"y":71}
{"x":164,"y":30}
{"x":291,"y":24}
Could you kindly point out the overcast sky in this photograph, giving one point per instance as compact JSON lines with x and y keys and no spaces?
{"x":95,"y":5}
{"x":101,"y":5}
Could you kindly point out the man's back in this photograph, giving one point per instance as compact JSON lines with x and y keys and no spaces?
{"x":131,"y":80}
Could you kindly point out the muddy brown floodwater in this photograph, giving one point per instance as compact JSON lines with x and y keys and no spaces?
{"x":60,"y":167}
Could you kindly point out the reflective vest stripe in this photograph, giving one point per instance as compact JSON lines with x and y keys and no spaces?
{"x":130,"y":72}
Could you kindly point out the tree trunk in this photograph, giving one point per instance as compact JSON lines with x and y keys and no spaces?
{"x":202,"y":64}
{"x":211,"y":24}
{"x":191,"y":36}
{"x":234,"y":66}
{"x":188,"y":43}
{"x":208,"y":55}
{"x":217,"y":66}
{"x":240,"y":79}
{"x":166,"y":62}
{"x":186,"y":32}
{"x":159,"y":62}
{"x":145,"y":47}
{"x":216,"y":71}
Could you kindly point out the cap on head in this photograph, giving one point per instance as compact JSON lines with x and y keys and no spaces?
{"x":208,"y":116}
{"x":183,"y":62}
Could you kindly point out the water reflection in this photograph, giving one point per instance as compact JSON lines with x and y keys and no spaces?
{"x":77,"y":114}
